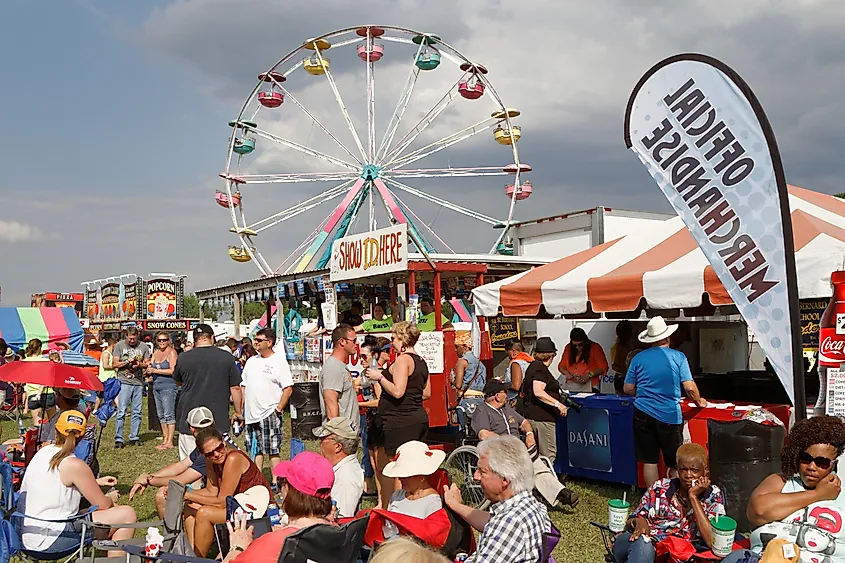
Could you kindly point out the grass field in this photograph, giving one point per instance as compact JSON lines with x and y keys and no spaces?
{"x":580,"y":542}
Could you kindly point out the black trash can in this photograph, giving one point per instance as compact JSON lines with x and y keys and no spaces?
{"x":742,"y":455}
{"x":306,"y":414}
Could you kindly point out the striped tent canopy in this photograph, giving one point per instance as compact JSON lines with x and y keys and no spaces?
{"x":18,"y":325}
{"x":663,"y":268}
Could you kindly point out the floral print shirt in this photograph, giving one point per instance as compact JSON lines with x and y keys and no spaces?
{"x":667,"y":516}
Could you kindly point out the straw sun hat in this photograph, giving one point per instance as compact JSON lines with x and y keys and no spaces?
{"x":414,"y":458}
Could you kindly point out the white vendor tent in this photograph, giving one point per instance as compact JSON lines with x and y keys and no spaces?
{"x":664,"y":267}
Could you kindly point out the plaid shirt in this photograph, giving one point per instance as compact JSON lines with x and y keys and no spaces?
{"x":514,"y":532}
{"x":666,"y":516}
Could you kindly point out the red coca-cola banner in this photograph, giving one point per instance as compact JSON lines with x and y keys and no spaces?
{"x":831,"y":347}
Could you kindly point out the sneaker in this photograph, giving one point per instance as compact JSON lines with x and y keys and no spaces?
{"x":118,"y":445}
{"x":135,"y":442}
{"x":568,"y":497}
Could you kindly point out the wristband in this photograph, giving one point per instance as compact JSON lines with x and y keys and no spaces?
{"x":529,"y":432}
{"x":557,"y":404}
{"x":237,"y":548}
{"x":379,"y":378}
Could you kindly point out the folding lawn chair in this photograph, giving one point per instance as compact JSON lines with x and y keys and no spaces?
{"x":87,"y":534}
{"x":607,"y":537}
{"x":172,"y":522}
{"x":322,"y":543}
{"x":12,"y":401}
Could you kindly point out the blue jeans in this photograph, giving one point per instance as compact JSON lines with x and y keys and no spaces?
{"x":129,"y":395}
{"x":627,"y":551}
{"x":164,"y":392}
{"x":369,"y":472}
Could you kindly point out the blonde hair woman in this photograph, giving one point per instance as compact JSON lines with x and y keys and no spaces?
{"x":404,"y":387}
{"x":406,"y":551}
{"x":38,"y":398}
{"x":53,"y":486}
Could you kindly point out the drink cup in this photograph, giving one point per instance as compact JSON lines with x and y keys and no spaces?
{"x":153,"y":542}
{"x":617,"y":514}
{"x":724,"y":530}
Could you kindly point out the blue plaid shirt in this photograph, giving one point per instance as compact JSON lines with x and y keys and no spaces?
{"x":514,"y":532}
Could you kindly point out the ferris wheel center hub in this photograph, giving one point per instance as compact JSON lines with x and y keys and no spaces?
{"x":370,"y":172}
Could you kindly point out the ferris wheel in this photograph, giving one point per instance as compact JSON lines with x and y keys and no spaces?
{"x":373,"y":169}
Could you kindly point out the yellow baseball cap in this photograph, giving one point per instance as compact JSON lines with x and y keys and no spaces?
{"x":69,"y":421}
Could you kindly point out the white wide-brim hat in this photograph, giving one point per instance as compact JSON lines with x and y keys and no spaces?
{"x":255,"y":500}
{"x":657,"y":330}
{"x":414,"y":458}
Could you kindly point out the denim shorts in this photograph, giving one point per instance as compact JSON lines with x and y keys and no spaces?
{"x":68,"y":540}
{"x":164,"y":392}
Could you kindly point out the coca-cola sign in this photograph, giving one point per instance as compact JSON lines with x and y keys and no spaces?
{"x":831,"y":347}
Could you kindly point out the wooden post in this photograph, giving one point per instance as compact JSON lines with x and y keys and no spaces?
{"x":438,"y":314}
{"x":412,"y":283}
{"x":236,"y":315}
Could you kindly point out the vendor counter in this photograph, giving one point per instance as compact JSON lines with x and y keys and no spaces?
{"x":598,"y":442}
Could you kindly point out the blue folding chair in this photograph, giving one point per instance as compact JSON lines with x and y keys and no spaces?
{"x":87,"y":536}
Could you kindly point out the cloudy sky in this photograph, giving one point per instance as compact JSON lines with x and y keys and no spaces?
{"x":116,"y":116}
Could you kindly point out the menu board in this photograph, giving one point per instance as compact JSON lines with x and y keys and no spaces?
{"x":161,"y":298}
{"x":835,"y":392}
{"x":502,"y":330}
{"x":811,"y":311}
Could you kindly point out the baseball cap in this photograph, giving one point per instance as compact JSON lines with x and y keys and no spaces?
{"x":308,"y":473}
{"x":339,"y":426}
{"x":203,"y":329}
{"x":70,"y":421}
{"x":200,"y":417}
{"x":386,"y":348}
{"x":494,"y":386}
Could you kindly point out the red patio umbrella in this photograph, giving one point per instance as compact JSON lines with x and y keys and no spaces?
{"x":50,"y":374}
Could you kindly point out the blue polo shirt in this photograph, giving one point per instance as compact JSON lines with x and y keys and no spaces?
{"x":658,"y":374}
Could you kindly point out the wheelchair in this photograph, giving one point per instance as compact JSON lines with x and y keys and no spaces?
{"x":463,"y":461}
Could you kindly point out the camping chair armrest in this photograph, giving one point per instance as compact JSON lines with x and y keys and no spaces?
{"x":164,"y":556}
{"x":73,"y":518}
{"x":103,"y":525}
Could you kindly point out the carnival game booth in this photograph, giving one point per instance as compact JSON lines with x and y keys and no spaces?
{"x":51,"y":325}
{"x":663,"y":274}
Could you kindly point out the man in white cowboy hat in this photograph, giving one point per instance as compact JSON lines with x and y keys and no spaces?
{"x":339,"y":444}
{"x":655,"y":378}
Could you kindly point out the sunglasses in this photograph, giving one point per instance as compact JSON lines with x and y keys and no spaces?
{"x":821,"y":462}
{"x":218,"y":450}
{"x":162,"y":340}
{"x":257,"y":340}
{"x":578,"y":344}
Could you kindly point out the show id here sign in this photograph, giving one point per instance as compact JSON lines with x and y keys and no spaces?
{"x":368,"y":254}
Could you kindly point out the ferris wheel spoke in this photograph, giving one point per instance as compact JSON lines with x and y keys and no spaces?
{"x":297,"y":177}
{"x":439,"y":201}
{"x":421,"y":125}
{"x":371,"y":100}
{"x":317,"y":122}
{"x":300,"y":207}
{"x":420,"y":221}
{"x":447,"y":172}
{"x":401,"y":106}
{"x":340,"y":103}
{"x":441,"y":144}
{"x":303,"y":149}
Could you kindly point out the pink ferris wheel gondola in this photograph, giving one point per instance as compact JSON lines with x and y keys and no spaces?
{"x":522,"y":192}
{"x":473,"y":87}
{"x":222,"y":199}
{"x":271,"y":98}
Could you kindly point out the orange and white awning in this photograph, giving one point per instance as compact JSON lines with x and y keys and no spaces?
{"x":665,"y":267}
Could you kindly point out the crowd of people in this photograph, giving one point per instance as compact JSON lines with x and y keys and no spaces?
{"x":213,"y":391}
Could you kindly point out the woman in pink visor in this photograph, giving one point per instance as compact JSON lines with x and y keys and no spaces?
{"x":308,"y":481}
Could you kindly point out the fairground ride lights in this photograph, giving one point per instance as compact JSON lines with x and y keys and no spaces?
{"x":696,"y":116}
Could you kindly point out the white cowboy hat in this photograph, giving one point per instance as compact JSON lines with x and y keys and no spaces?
{"x":255,"y":500}
{"x":414,"y":458}
{"x":657,"y":330}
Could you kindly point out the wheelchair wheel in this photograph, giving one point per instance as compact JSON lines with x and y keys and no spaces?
{"x":461,"y":465}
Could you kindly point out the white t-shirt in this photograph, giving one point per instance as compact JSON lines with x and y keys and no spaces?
{"x":263,"y":380}
{"x":348,"y":486}
{"x":419,"y":508}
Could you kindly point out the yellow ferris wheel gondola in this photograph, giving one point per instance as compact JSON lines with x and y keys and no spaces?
{"x":239,"y":254}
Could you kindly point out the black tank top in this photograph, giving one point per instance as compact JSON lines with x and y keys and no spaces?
{"x":407,"y":409}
